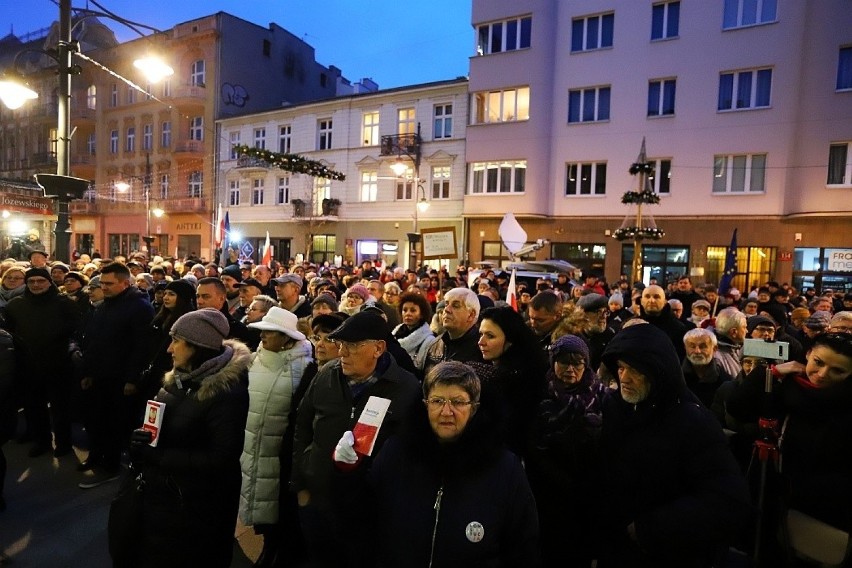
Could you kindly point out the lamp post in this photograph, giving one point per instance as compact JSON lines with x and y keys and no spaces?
{"x":124,"y":185}
{"x":409,"y":145}
{"x":13,"y":95}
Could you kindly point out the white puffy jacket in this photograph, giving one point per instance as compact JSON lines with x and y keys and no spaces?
{"x":273,"y":378}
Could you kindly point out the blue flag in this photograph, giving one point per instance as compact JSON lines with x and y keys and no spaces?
{"x":226,"y":242}
{"x":730,"y":266}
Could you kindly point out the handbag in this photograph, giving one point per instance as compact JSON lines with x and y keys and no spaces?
{"x":125,"y":525}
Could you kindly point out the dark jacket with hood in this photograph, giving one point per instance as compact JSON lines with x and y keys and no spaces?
{"x":462,"y":349}
{"x":483,"y":493}
{"x":668,"y":467}
{"x":192,"y":478}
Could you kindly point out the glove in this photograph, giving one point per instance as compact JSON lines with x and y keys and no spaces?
{"x":140,"y":449}
{"x":344,"y":452}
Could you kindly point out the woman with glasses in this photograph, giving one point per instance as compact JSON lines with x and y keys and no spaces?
{"x":414,"y":333}
{"x":11,"y":286}
{"x":462,"y":500}
{"x":563,"y":457}
{"x":813,"y":405}
{"x":514,"y":383}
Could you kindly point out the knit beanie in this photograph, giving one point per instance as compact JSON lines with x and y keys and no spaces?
{"x":617,"y":299}
{"x":31,"y":272}
{"x":205,"y":328}
{"x":147,"y":278}
{"x":183,"y":289}
{"x":233,"y":271}
{"x":818,"y":320}
{"x":360,"y":291}
{"x":569,"y":344}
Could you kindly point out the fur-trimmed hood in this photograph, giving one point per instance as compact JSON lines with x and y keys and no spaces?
{"x":215,"y":376}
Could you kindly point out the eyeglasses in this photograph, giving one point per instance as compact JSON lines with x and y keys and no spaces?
{"x":577,"y":366}
{"x":316,"y":339}
{"x":457,"y":404}
{"x":350,"y":346}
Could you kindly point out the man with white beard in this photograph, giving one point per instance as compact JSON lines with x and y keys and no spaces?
{"x":702,"y":371}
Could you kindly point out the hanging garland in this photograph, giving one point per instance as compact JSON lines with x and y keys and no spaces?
{"x":638,"y":233}
{"x":290,"y":163}
{"x":643,"y":197}
{"x":645,"y":167}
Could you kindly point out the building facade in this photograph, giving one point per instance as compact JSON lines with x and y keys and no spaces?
{"x":369,"y":214}
{"x":746,"y":109}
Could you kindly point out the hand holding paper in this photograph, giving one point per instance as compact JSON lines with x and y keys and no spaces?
{"x":344,"y":451}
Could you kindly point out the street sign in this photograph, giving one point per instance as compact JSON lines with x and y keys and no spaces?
{"x":246,"y":251}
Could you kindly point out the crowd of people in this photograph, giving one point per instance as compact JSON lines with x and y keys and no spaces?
{"x":589,"y":423}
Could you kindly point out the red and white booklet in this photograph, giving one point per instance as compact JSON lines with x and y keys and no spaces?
{"x":154,"y":419}
{"x":366,"y":430}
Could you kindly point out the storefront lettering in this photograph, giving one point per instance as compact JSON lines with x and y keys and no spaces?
{"x":839,"y":260}
{"x":188,"y":226}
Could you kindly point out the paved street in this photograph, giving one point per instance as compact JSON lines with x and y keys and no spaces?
{"x":50,"y":522}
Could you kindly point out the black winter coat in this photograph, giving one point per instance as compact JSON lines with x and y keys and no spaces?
{"x":192,"y":478}
{"x":666,"y":322}
{"x":8,"y":408}
{"x":485,"y":515}
{"x":667,"y":464}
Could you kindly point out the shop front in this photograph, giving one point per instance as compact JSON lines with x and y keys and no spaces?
{"x":822,"y":268}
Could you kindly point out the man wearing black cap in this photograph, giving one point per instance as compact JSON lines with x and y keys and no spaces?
{"x":596,"y":332}
{"x":247,"y":290}
{"x":331,"y":406}
{"x":231,"y":277}
{"x":43,"y":321}
{"x":38,"y":259}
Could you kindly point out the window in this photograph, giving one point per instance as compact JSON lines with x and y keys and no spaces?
{"x":267,"y":47}
{"x":283,"y":194}
{"x":257,"y":191}
{"x":260,"y":138}
{"x":588,"y":105}
{"x":196,"y":73}
{"x":405,"y":186}
{"x":592,"y":32}
{"x":443,"y":126}
{"x":844,"y":69}
{"x":839,"y":164}
{"x":284,"y":140}
{"x":507,"y":35}
{"x":370,"y":129}
{"x":745,"y":89}
{"x":166,"y":134}
{"x":661,"y":178}
{"x":196,"y":128}
{"x":501,"y":106}
{"x":665,"y":19}
{"x":196,"y":184}
{"x":323,"y":248}
{"x":113,"y":95}
{"x":131,"y":95}
{"x":741,"y":13}
{"x":369,"y":185}
{"x":234,"y":192}
{"x":441,"y":182}
{"x":130,"y":139}
{"x":406,"y":121}
{"x":585,"y":256}
{"x":234,"y":141}
{"x":322,"y":190}
{"x":585,"y":179}
{"x":661,"y":97}
{"x":90,"y":144}
{"x":324,"y":127}
{"x":148,"y":137}
{"x":149,"y":88}
{"x":739,"y":174}
{"x":164,"y":186}
{"x":167,"y":87}
{"x":498,"y":177}
{"x":661,"y":262}
{"x":92,"y":97}
{"x":754,"y":264}
{"x":113,"y":141}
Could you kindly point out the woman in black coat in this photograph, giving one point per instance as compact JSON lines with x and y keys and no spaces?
{"x":192,"y":477}
{"x":8,"y":409}
{"x":445,"y":492}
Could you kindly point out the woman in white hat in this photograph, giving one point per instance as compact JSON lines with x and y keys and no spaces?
{"x":274,"y":376}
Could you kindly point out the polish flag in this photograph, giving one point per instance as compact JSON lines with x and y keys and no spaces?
{"x":220,"y":228}
{"x":511,"y":294}
{"x":267,"y":253}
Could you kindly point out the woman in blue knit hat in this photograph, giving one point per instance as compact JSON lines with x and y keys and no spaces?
{"x":562,"y":465}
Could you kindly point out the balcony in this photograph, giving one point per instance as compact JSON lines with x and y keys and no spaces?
{"x":189,"y":149}
{"x":82,"y":114}
{"x":249,"y":164}
{"x":189,"y":95}
{"x":184,"y":205}
{"x":104,"y":207}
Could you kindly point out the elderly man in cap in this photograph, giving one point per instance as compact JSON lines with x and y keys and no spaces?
{"x":248,"y":289}
{"x":38,"y":258}
{"x":331,"y":406}
{"x":43,"y":322}
{"x":288,"y":287}
{"x":596,"y":332}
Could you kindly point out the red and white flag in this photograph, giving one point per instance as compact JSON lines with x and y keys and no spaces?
{"x":511,"y":293}
{"x":267,"y":253}
{"x":219,"y":231}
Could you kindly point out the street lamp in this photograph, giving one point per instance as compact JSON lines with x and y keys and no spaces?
{"x":15,"y":93}
{"x":410,"y":146}
{"x":125,"y":184}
